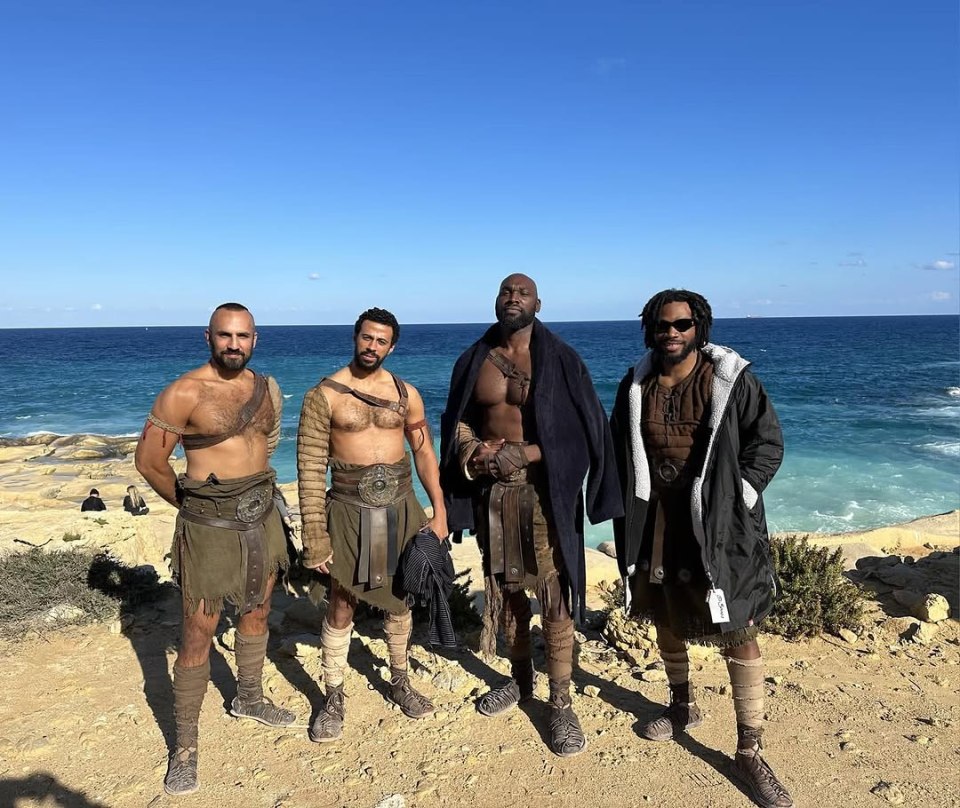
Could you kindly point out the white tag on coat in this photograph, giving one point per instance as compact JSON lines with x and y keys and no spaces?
{"x":718,"y":606}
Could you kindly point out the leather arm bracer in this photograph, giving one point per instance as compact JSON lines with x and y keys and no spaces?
{"x":467,"y":445}
{"x":313,"y":453}
{"x":273,"y":389}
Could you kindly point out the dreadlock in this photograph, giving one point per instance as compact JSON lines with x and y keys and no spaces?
{"x":381,"y":316}
{"x":699,"y":309}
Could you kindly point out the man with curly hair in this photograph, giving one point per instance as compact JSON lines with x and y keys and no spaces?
{"x":355,"y":422}
{"x":697,"y":443}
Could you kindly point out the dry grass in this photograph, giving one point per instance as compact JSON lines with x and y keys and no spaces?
{"x":45,"y":591}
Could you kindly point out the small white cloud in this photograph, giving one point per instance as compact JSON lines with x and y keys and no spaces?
{"x":766,"y":301}
{"x":940,"y":296}
{"x":314,"y":276}
{"x":97,"y":307}
{"x":606,"y":65}
{"x":940,"y":266}
{"x":855,"y":262}
{"x":70,"y":308}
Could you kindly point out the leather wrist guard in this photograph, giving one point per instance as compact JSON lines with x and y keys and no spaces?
{"x":507,"y":461}
{"x":467,"y":444}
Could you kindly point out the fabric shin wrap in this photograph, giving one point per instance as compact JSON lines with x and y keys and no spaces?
{"x":398,"y":628}
{"x":516,"y":616}
{"x":746,"y":680}
{"x":250,"y":651}
{"x":374,"y":489}
{"x":228,"y":541}
{"x":558,"y":641}
{"x":676,"y":664}
{"x":189,"y":688}
{"x":334,"y":644}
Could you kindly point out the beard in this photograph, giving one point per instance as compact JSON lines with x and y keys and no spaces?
{"x":230,"y":361}
{"x":358,"y":360}
{"x":674,"y":359}
{"x":514,"y":322}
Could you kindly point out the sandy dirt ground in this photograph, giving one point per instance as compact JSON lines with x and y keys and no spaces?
{"x":86,"y":713}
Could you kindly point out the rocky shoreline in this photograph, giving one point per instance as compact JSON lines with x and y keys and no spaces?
{"x":858,"y":720}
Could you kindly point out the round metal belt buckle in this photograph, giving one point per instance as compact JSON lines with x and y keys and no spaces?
{"x":667,"y":471}
{"x":252,"y":504}
{"x":378,"y":487}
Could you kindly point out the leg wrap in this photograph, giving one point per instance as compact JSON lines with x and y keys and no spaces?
{"x":398,"y":628}
{"x":558,"y":638}
{"x":334,"y":643}
{"x":189,"y":688}
{"x":250,"y":651}
{"x":676,"y":664}
{"x":746,"y":680}
{"x":516,"y":624}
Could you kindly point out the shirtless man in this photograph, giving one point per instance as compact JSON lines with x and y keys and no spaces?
{"x":522,"y":428}
{"x":355,"y":422}
{"x":229,"y":542}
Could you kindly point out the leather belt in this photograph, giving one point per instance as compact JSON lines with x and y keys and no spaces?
{"x":509,"y":529}
{"x":253,"y":551}
{"x":656,"y":554}
{"x":377,"y":486}
{"x":378,"y":546}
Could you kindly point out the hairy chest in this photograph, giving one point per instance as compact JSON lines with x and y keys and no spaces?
{"x":220,"y":410}
{"x":351,"y":415}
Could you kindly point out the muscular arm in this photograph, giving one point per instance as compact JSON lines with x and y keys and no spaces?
{"x":313,"y":452}
{"x":170,"y":414}
{"x":276,"y":398}
{"x":425,"y":460}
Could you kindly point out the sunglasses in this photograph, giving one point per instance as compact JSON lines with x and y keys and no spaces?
{"x":685,"y":324}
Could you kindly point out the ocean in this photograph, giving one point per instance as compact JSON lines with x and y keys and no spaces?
{"x":870,"y":406}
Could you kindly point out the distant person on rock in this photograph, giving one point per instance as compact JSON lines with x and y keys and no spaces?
{"x":93,"y":502}
{"x":697,"y":443}
{"x":355,"y":423}
{"x":133,"y":503}
{"x":229,"y":543}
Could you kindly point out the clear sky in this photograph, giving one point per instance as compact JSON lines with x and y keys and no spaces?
{"x":310,"y":159}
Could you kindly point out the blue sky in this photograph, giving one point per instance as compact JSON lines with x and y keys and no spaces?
{"x":311,"y":159}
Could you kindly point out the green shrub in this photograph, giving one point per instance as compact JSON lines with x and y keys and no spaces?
{"x":814,"y":595}
{"x":43,"y":591}
{"x":71,"y":536}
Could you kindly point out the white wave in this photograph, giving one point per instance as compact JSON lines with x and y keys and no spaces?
{"x":287,"y":395}
{"x":942,"y":447}
{"x":950,"y":411}
{"x":953,"y":391}
{"x":23,"y":417}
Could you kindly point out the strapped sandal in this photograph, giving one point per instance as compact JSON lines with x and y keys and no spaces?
{"x":764,"y":786}
{"x":264,"y":711}
{"x":328,"y":725}
{"x":566,"y":735}
{"x":411,"y":703}
{"x":507,"y":695}
{"x":182,"y":775}
{"x":677,"y":718}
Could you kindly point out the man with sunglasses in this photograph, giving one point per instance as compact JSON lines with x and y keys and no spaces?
{"x":697,"y":442}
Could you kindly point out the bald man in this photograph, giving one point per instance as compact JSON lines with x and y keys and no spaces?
{"x":522,"y":429}
{"x":228,"y":545}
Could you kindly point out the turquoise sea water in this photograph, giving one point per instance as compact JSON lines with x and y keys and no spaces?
{"x":870,"y":406}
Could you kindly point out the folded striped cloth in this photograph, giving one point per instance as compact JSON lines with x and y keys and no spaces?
{"x":427,"y":571}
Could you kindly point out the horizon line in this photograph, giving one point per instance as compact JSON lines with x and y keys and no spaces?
{"x":482,"y":324}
